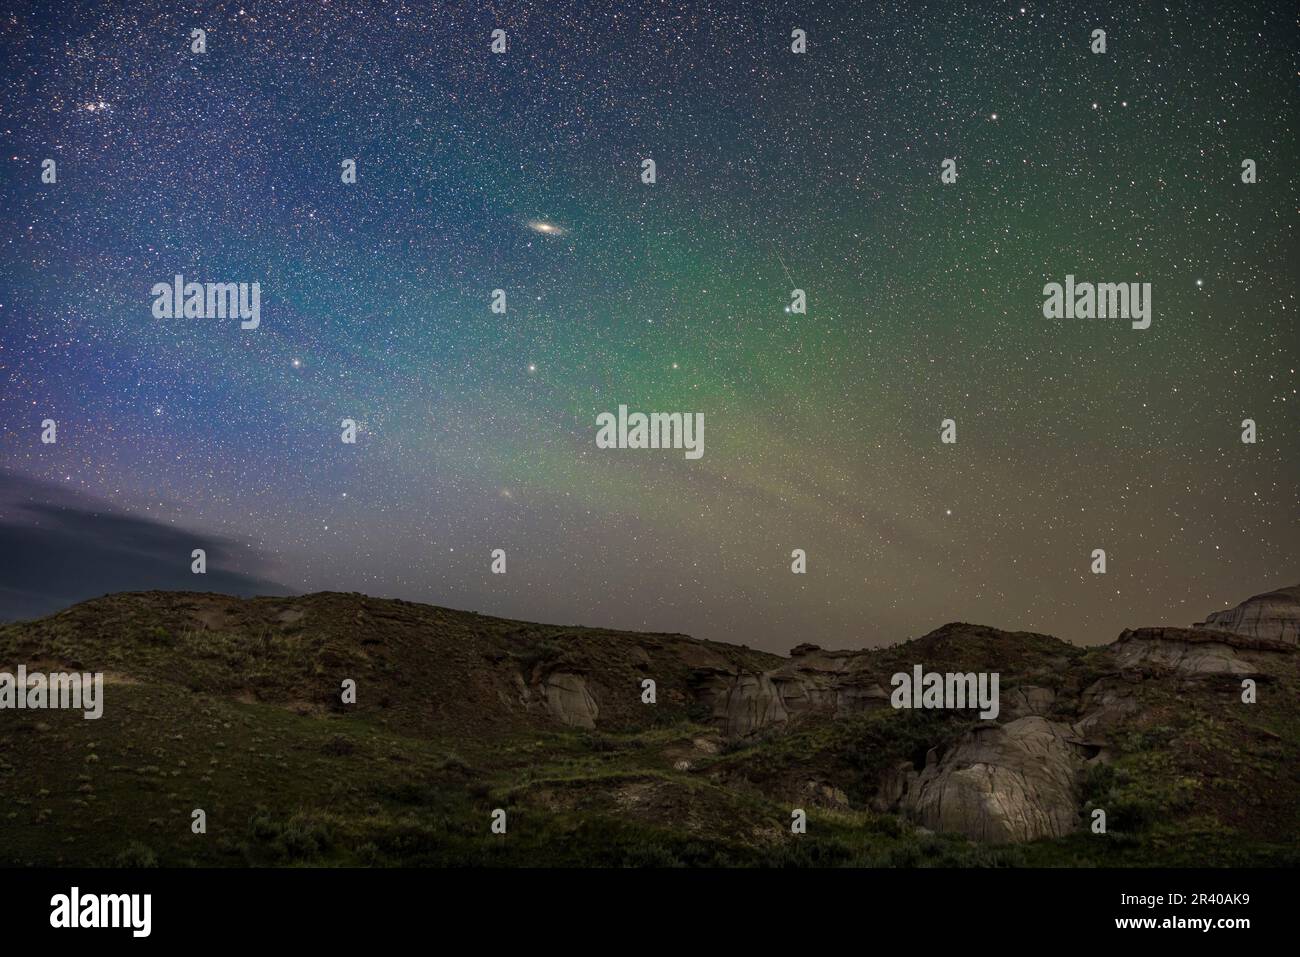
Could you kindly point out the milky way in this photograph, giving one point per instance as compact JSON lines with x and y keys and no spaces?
{"x":522,"y":172}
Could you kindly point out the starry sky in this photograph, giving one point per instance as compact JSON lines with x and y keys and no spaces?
{"x":521,"y":171}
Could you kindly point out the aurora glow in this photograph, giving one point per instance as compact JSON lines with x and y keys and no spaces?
{"x":775,"y":171}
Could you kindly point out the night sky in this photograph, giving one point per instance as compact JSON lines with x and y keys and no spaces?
{"x":775,"y":171}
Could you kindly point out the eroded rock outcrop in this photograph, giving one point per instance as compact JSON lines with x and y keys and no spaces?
{"x":568,"y":700}
{"x":836,"y":683}
{"x":742,"y":704}
{"x":813,"y":681}
{"x":1029,"y":699}
{"x":1274,"y":615}
{"x":999,"y":783}
{"x":1105,"y":704}
{"x":563,"y":695}
{"x":1196,"y":651}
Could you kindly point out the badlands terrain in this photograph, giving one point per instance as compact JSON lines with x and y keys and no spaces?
{"x":234,"y":707}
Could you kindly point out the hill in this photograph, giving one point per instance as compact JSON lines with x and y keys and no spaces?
{"x":234,"y":706}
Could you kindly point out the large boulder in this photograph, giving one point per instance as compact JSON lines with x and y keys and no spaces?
{"x":1000,"y":783}
{"x":568,"y":700}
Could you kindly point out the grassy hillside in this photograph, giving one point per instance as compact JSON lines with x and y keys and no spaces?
{"x":233,"y":706}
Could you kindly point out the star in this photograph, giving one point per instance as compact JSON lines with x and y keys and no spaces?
{"x":824,"y":428}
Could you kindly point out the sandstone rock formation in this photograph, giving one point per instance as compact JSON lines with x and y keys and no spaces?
{"x":1013,"y":781}
{"x":568,"y":699}
{"x":1106,"y":703}
{"x":1000,"y":783}
{"x":742,"y":704}
{"x":1273,"y":615}
{"x":1195,"y":651}
{"x":813,"y":681}
{"x":1029,"y":699}
{"x":563,"y":695}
